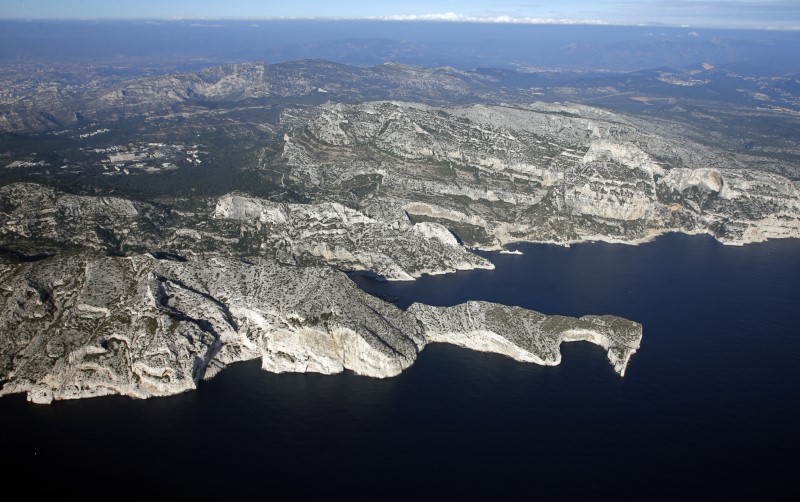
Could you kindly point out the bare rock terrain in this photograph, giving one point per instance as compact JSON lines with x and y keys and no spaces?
{"x":391,"y":171}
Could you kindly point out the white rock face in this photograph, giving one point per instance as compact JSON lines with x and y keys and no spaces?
{"x":436,"y":231}
{"x":157,"y":327}
{"x":556,"y":174}
{"x":237,"y":207}
{"x":526,"y":335}
{"x":485,"y":341}
{"x":333,"y":234}
{"x":621,"y":202}
{"x":82,"y":326}
{"x":626,"y":154}
{"x":706,"y":179}
{"x":317,"y":351}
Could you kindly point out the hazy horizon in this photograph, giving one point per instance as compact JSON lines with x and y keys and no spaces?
{"x":719,"y":14}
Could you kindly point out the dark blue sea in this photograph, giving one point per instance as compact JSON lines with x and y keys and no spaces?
{"x":709,"y":408}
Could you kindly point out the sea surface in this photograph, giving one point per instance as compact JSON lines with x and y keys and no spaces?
{"x":709,"y":408}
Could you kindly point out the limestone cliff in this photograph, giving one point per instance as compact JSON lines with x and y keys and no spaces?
{"x":79,"y":325}
{"x":544,"y":173}
{"x":336,"y":235}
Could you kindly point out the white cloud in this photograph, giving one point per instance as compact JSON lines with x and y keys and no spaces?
{"x":459,"y":18}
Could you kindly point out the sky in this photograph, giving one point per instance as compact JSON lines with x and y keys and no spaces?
{"x":767,"y":14}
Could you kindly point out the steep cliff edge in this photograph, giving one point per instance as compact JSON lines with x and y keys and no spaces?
{"x":526,"y":335}
{"x":541,"y":173}
{"x":79,"y":325}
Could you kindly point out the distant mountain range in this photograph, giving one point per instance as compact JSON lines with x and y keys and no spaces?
{"x":365,"y":43}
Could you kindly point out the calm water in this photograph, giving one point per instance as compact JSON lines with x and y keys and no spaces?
{"x":709,"y":407}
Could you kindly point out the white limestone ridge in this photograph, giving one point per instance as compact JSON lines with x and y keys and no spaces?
{"x":626,"y":154}
{"x":332,"y":234}
{"x":87,"y":326}
{"x":546,"y":173}
{"x":526,"y":335}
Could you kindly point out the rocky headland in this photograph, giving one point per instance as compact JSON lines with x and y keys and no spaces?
{"x":147,"y":296}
